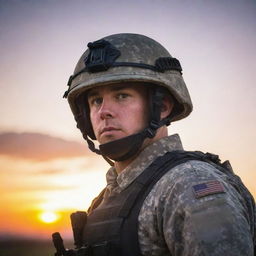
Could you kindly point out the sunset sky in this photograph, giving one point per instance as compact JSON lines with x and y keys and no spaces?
{"x":44,"y":164}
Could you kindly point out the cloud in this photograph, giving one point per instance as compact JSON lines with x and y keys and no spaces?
{"x":39,"y":146}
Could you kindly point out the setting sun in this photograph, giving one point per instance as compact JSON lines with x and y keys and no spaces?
{"x":48,"y":217}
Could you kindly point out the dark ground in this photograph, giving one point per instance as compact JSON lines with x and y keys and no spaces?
{"x":28,"y":248}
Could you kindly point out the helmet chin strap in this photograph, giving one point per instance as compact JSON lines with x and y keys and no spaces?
{"x":124,"y":148}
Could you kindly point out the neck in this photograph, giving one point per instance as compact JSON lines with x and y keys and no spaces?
{"x":120,"y":166}
{"x":161,"y":133}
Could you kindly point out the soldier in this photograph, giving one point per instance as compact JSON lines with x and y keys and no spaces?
{"x":159,"y":199}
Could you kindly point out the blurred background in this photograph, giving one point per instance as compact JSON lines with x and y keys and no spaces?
{"x":46,"y":171}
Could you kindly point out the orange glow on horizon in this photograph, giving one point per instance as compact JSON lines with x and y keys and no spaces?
{"x":40,"y":196}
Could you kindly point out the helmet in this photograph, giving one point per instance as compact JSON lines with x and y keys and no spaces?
{"x":127,"y":58}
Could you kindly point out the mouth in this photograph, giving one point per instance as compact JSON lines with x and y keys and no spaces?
{"x":108,"y":129}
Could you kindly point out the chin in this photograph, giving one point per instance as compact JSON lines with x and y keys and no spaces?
{"x":107,"y":139}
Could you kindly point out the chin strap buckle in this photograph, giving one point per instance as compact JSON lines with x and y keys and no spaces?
{"x":150,"y":132}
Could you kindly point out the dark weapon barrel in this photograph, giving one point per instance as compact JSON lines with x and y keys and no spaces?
{"x":58,"y":244}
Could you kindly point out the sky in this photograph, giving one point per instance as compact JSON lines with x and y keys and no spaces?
{"x":44,"y":164}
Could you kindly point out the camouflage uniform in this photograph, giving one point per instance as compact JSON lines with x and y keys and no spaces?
{"x":172,"y":221}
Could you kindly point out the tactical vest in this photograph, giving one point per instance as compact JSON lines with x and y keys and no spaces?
{"x":112,"y":222}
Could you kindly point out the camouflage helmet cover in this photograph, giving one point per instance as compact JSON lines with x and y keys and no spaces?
{"x":134,"y":48}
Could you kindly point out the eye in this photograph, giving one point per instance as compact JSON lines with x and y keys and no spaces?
{"x":95,"y":101}
{"x":122,"y":96}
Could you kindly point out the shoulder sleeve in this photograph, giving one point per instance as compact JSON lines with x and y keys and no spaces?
{"x":204,"y":215}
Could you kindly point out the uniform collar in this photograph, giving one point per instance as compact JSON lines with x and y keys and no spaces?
{"x":144,"y":159}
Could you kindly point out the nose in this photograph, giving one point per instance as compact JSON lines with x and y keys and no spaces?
{"x":105,"y":111}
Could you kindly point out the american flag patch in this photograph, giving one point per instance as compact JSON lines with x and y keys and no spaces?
{"x":208,"y":188}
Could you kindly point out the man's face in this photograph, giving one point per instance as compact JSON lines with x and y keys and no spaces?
{"x":118,"y":110}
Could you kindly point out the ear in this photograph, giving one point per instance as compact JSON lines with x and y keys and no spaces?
{"x":167,"y":107}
